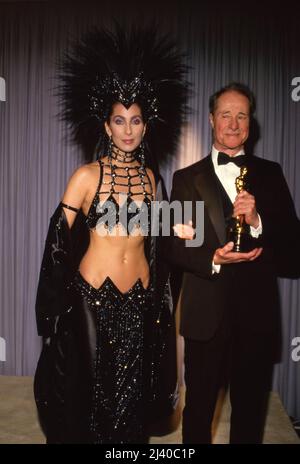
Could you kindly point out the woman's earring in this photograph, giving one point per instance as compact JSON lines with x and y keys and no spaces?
{"x":110,"y":146}
{"x":142,"y":153}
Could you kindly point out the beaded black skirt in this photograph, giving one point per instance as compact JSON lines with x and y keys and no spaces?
{"x":99,"y":384}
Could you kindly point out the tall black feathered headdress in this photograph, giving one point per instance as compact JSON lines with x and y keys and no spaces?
{"x":133,"y":66}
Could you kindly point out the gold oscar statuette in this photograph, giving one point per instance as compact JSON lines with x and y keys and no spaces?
{"x":239,"y":231}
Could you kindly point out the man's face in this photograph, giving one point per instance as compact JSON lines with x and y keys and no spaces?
{"x":230,"y":122}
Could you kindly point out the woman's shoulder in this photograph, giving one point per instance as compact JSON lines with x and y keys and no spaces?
{"x":83,"y":177}
{"x":151,"y":175}
{"x":86,"y":171}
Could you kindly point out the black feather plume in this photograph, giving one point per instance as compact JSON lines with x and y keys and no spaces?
{"x":133,"y":66}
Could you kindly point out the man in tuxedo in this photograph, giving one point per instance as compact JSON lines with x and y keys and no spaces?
{"x":230,"y":315}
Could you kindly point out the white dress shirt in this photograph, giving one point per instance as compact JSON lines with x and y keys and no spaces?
{"x":227,"y":173}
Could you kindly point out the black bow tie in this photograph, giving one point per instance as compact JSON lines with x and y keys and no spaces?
{"x":225,"y":159}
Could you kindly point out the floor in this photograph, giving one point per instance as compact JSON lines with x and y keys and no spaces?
{"x":19,"y":425}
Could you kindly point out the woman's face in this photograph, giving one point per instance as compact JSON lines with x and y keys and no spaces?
{"x":126,"y":126}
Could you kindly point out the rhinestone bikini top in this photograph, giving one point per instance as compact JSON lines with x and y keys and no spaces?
{"x":121,"y":184}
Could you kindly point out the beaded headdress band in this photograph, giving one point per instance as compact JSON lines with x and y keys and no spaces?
{"x":125,"y":92}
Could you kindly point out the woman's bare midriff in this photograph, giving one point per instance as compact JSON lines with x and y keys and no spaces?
{"x":121,"y":258}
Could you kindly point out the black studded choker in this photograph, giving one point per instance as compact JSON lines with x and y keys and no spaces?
{"x":123,"y":156}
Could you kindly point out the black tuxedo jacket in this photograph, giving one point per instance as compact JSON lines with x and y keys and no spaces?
{"x":250,"y":286}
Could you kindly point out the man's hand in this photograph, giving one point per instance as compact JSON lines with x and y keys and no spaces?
{"x":245,"y":204}
{"x":226,"y":256}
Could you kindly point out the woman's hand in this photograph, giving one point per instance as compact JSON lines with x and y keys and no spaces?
{"x":185,"y":231}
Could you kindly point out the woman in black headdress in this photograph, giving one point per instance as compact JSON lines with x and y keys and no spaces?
{"x":103,"y":304}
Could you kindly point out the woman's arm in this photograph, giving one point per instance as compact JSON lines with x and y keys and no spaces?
{"x":75,"y":192}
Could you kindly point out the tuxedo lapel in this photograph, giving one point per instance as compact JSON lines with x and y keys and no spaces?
{"x":253,"y":175}
{"x":206,"y":185}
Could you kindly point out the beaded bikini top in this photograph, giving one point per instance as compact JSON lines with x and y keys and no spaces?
{"x":121,"y":184}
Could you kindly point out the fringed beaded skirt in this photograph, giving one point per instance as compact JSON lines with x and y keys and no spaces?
{"x":99,"y":379}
